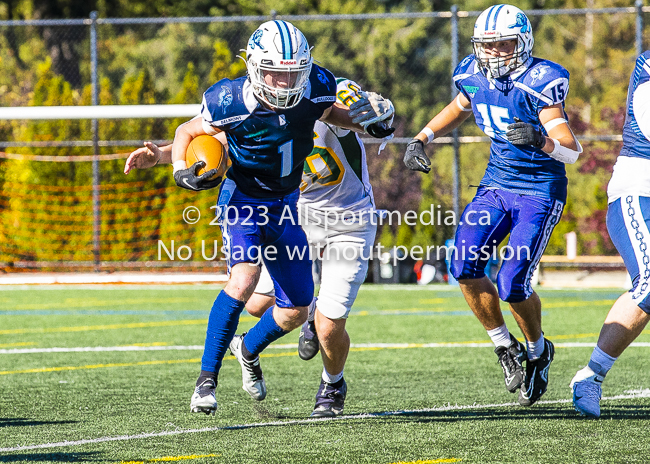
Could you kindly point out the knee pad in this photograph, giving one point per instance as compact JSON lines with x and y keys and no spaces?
{"x":641,"y":293}
{"x":645,"y":305}
{"x":511,"y":291}
{"x":331,"y":308}
{"x":465,"y":270}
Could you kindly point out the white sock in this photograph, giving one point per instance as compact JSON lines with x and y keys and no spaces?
{"x":535,"y":349}
{"x":329,"y":378}
{"x":600,"y":362}
{"x":500,"y":336}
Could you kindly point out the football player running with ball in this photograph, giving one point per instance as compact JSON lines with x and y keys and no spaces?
{"x":268,"y":117}
{"x":336,"y":206}
{"x":518,"y":101}
{"x":628,"y":224}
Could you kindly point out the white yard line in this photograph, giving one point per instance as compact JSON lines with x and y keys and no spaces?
{"x":66,"y":444}
{"x":287,"y":346}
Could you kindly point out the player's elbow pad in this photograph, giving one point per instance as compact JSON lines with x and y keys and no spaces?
{"x":564,"y":154}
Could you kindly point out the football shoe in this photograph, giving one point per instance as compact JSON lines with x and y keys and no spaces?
{"x":536,"y":380}
{"x":330,"y":399}
{"x":204,"y":399}
{"x":251,"y":371}
{"x":511,"y":360}
{"x":586,"y":388}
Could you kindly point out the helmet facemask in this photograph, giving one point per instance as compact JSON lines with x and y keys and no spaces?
{"x":278,"y":59}
{"x":502,"y":23}
{"x":495,"y":66}
{"x":279,"y":86}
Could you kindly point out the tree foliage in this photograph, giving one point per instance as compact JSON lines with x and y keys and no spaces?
{"x":407,"y":60}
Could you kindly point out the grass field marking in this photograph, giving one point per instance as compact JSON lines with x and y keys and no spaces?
{"x":434,"y":461}
{"x":286,"y":346}
{"x":74,"y":303}
{"x":90,"y":349}
{"x":99,"y":366}
{"x":17,"y":344}
{"x":84,"y":328}
{"x":413,"y":288}
{"x":632,"y":394}
{"x":148,"y":344}
{"x":401,"y":311}
{"x":172,"y":458}
{"x":131,"y":364}
{"x":569,"y":336}
{"x":577,"y":304}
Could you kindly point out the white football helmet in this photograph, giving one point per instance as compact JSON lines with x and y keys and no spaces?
{"x":500,"y":23}
{"x":279,"y":62}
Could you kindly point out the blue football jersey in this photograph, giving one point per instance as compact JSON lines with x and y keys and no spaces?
{"x":496,"y":103}
{"x":636,"y":144}
{"x":267,"y":148}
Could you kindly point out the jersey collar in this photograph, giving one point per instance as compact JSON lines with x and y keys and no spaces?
{"x":249,"y":97}
{"x":523,"y":68}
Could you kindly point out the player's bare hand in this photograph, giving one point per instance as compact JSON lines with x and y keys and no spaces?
{"x":415,"y":158}
{"x":522,"y":133}
{"x":143,"y":158}
{"x":190,"y":180}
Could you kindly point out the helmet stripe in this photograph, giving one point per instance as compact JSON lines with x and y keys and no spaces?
{"x":487,"y":20}
{"x":285,"y":38}
{"x":494,"y":21}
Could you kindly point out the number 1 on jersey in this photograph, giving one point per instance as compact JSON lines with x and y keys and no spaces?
{"x":286,"y":150}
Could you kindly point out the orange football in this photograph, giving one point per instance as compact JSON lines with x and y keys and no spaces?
{"x":207,"y":148}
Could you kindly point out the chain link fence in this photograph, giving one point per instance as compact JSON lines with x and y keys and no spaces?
{"x":408,"y":57}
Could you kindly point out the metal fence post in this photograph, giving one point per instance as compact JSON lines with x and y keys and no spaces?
{"x":97,"y":224}
{"x":639,"y":26}
{"x":454,"y":92}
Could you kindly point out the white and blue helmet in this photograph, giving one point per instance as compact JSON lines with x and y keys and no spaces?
{"x":499,"y":23}
{"x":278,"y":48}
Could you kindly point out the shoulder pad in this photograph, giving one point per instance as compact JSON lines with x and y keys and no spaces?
{"x":547,"y":81}
{"x":465,"y":68}
{"x":347,"y":91}
{"x":223,"y":103}
{"x":642,"y":67}
{"x":323,"y":85}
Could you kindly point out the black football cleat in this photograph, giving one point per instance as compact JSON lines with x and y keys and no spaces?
{"x":511,"y":360}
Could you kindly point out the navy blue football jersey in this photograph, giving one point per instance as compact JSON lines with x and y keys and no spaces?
{"x":635,"y":143}
{"x":267,"y":148}
{"x":496,"y":103}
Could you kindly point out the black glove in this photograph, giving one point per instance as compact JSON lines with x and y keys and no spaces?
{"x":188,"y":178}
{"x":522,"y":133}
{"x":379,"y":130}
{"x":415,"y":159}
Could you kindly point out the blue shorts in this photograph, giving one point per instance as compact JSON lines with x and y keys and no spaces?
{"x":628,"y":224}
{"x":487,"y":220}
{"x":256,"y":229}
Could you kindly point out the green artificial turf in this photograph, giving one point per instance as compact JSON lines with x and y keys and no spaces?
{"x":407,"y":404}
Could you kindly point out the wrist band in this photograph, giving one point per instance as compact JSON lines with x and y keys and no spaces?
{"x":429,"y":133}
{"x":179,"y":164}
